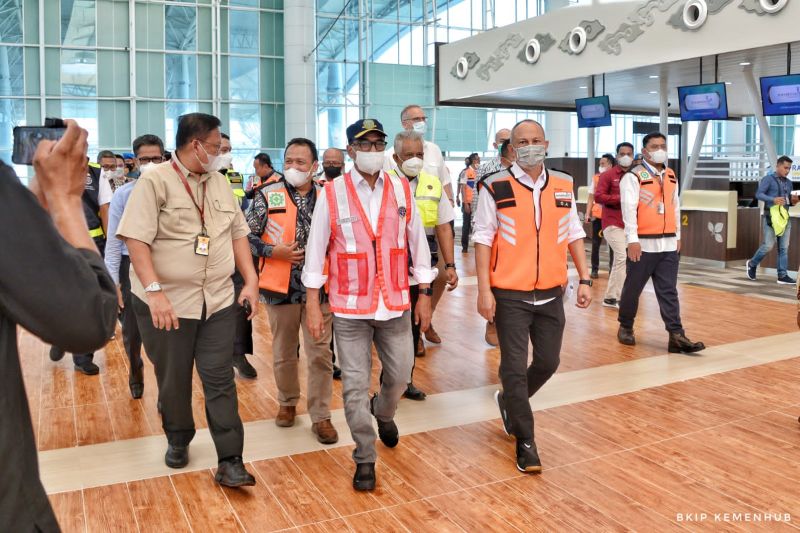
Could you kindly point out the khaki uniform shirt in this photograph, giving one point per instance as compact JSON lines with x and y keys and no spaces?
{"x":161,"y":214}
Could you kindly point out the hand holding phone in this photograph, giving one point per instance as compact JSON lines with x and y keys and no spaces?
{"x":27,"y":139}
{"x":61,"y":166}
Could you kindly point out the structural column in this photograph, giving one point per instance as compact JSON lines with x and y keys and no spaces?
{"x":299,"y":72}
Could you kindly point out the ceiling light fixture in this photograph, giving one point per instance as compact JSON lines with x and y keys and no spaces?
{"x":653,"y":92}
{"x":654,"y":77}
{"x":583,"y":87}
{"x":744,"y":63}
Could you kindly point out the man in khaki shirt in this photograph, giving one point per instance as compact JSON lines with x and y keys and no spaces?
{"x":185,"y":234}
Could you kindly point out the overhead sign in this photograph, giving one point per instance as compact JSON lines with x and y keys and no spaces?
{"x":794,"y":173}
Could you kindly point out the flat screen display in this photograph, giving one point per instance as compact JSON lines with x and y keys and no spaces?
{"x":593,"y":112}
{"x":780,"y":95}
{"x":703,"y":102}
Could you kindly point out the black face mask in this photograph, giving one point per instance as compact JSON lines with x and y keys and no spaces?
{"x":332,"y":172}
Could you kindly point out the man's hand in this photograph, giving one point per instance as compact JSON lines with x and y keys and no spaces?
{"x":780,"y":200}
{"x":316,"y":326}
{"x":584,"y":296}
{"x":288,"y":252}
{"x":468,"y":208}
{"x":486,"y":305}
{"x":120,"y":301}
{"x":61,"y":166}
{"x":161,"y":311}
{"x":422,"y":312}
{"x":587,"y":217}
{"x":250,"y":293}
{"x":452,"y":279}
{"x":634,"y":251}
{"x":679,"y":246}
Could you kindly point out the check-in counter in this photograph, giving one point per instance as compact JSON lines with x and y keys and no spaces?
{"x":771,"y":260}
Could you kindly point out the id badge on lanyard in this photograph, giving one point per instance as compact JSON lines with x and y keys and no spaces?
{"x":203,"y":241}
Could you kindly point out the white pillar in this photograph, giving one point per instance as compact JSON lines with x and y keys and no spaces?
{"x":590,"y":156}
{"x":557,"y":126}
{"x":766,"y":134}
{"x":698,"y":145}
{"x":299,"y":71}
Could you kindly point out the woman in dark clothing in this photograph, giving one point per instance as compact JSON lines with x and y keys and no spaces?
{"x":54,"y":284}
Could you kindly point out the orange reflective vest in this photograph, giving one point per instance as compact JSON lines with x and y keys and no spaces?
{"x":281,"y":228}
{"x":469,"y":186}
{"x":525,"y":258}
{"x":365,"y":264}
{"x":655,"y":216}
{"x":597,"y":209}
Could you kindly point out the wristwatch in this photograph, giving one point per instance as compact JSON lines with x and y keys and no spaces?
{"x":426,"y":292}
{"x":153,"y":287}
{"x":588,"y":282}
{"x":449,"y":265}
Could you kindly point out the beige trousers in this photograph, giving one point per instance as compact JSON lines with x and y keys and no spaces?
{"x":286,"y":321}
{"x":615,"y":237}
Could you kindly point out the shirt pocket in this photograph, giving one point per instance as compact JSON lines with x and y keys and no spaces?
{"x":223,"y":215}
{"x":179,"y":217}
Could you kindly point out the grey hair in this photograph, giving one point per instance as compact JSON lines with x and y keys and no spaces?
{"x":406,"y":135}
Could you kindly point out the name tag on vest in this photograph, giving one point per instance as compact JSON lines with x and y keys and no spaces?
{"x":563,"y":198}
{"x":348,"y":220}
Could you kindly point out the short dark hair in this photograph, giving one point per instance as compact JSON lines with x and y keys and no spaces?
{"x":653,"y":135}
{"x":781,"y":160}
{"x":194,"y":126}
{"x":302,"y":141}
{"x":623,"y":145}
{"x":609,"y":158}
{"x":147,"y":139}
{"x":105,"y":153}
{"x":225,"y":136}
{"x":504,"y":146}
{"x":264,"y":159}
{"x":119,"y":156}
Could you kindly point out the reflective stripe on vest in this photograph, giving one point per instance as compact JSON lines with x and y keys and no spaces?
{"x":365,"y":265}
{"x":597,"y":209}
{"x":96,"y":233}
{"x":652,"y":223}
{"x":525,"y":258}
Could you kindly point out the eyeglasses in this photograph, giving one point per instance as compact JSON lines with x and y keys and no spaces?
{"x":365,"y":145}
{"x":154,"y":159}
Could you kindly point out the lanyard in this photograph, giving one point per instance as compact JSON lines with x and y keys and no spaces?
{"x":200,"y":208}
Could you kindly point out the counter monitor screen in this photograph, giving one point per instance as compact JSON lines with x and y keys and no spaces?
{"x":593,"y":112}
{"x":780,"y":95}
{"x":703,"y":102}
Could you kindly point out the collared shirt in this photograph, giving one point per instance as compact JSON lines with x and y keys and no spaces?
{"x":319,"y":237}
{"x":629,"y":200}
{"x":773,"y":186}
{"x":432,"y":162}
{"x":116,"y":248}
{"x":161,"y":214}
{"x":484,"y":169}
{"x":485,"y":220}
{"x":607,"y":194}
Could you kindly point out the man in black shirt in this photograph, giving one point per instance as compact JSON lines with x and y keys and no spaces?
{"x":54,"y":284}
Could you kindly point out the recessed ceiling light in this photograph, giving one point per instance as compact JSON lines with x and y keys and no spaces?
{"x":653,"y":92}
{"x":653,"y":77}
{"x":728,"y":83}
{"x":583,"y":87}
{"x":744,"y":63}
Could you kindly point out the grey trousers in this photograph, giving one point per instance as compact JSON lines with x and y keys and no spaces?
{"x":354,"y":340}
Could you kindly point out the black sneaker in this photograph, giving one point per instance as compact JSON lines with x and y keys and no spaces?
{"x":528,"y":457}
{"x":337,"y":372}
{"x":501,"y":404}
{"x":413,"y":393}
{"x":751,"y":271}
{"x":246,"y":370}
{"x":88,"y":368}
{"x":595,"y":274}
{"x":611,"y":302}
{"x":56,"y":354}
{"x":387,"y":431}
{"x":786,"y":280}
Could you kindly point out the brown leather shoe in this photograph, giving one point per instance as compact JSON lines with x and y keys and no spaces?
{"x":491,"y":334}
{"x":420,"y":351}
{"x":432,"y":336}
{"x":286,"y":414}
{"x":325,"y":432}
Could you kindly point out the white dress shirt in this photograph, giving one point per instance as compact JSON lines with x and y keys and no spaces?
{"x":485,"y":221}
{"x":320,"y":234}
{"x":432,"y":162}
{"x":629,"y":200}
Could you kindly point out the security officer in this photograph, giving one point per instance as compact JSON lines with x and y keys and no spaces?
{"x":651,"y":212}
{"x":235,"y":179}
{"x":525,"y":222}
{"x":96,"y":199}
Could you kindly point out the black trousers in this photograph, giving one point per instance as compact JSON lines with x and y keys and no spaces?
{"x":517,"y":322}
{"x":131,"y":338}
{"x":597,"y":241}
{"x":662,"y":268}
{"x":243,"y":338}
{"x":206,"y":343}
{"x":413,"y":292}
{"x":466,"y":229}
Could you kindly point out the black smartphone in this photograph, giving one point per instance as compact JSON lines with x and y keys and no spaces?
{"x":248,"y":309}
{"x":27,"y":138}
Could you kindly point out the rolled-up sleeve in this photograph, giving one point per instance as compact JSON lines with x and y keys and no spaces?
{"x":317,"y":245}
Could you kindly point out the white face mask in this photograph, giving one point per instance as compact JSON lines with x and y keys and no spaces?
{"x":295,"y":177}
{"x":602,"y":169}
{"x":531,"y":155}
{"x":412,"y":167}
{"x":659,"y":157}
{"x":146,"y":166}
{"x":225,"y":160}
{"x":213,"y":161}
{"x":420,"y":127}
{"x":625,"y":161}
{"x":369,"y":162}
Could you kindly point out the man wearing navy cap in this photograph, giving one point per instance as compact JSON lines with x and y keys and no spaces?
{"x":366,"y":226}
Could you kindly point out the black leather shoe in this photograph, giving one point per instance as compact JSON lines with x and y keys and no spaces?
{"x":337,"y":372}
{"x":137,"y":389}
{"x":245,"y":369}
{"x":625,"y":336}
{"x":177,"y":456}
{"x":387,"y":431}
{"x":231,"y":473}
{"x":136,"y":383}
{"x":88,"y":368}
{"x":528,"y":457}
{"x":364,"y":478}
{"x":413,"y":393}
{"x":56,"y":354}
{"x":678,"y":343}
{"x":595,"y":274}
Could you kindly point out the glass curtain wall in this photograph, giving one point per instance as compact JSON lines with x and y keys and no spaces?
{"x":124,"y":68}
